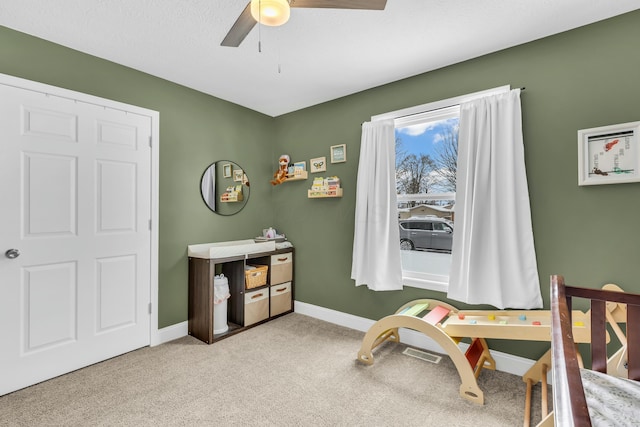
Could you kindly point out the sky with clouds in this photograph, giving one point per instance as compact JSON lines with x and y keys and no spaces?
{"x":423,"y":137}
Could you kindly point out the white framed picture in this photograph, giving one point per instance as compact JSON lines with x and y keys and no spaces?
{"x":237,"y":175}
{"x":339,"y":153}
{"x":226,"y":170}
{"x":319,"y":164}
{"x":609,"y":154}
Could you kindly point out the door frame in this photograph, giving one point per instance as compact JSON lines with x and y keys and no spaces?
{"x":17,"y":82}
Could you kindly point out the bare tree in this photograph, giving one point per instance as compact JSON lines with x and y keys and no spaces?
{"x":401,"y":152}
{"x":446,"y":157}
{"x":413,"y":172}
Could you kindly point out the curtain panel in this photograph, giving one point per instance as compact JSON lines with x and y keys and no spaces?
{"x":376,"y":241}
{"x":493,"y":257}
{"x":208,"y":187}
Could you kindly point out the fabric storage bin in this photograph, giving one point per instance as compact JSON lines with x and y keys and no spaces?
{"x":281,"y":268}
{"x":256,"y":306}
{"x":280,"y":298}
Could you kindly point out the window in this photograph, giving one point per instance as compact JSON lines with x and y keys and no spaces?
{"x":426,"y":161}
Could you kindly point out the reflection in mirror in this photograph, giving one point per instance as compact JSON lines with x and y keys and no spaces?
{"x":225,"y":187}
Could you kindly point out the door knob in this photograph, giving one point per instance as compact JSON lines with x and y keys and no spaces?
{"x":12,"y":253}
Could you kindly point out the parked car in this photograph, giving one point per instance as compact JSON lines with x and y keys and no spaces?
{"x":431,"y":233}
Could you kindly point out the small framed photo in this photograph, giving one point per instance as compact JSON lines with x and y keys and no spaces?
{"x":226,"y":170}
{"x":300,"y":166}
{"x":319,"y":164}
{"x":339,"y":153}
{"x":609,"y":154}
{"x":237,"y":175}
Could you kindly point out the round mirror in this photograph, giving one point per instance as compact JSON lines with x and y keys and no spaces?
{"x":225,"y":187}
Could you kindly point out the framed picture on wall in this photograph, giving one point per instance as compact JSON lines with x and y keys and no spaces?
{"x":339,"y":153}
{"x":300,"y":166}
{"x":237,"y":175}
{"x":226,"y":170}
{"x":609,"y":154}
{"x":319,"y":164}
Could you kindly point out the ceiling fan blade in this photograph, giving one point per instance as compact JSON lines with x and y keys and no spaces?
{"x":341,"y":4}
{"x":240,"y":29}
{"x":245,"y":22}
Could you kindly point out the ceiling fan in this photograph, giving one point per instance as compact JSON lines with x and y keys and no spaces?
{"x":248,"y":18}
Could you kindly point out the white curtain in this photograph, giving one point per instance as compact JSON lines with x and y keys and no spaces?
{"x":208,"y":187}
{"x":376,"y":240}
{"x":493,"y":257}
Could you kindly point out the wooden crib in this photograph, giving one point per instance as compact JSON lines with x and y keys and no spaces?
{"x":573,"y":397}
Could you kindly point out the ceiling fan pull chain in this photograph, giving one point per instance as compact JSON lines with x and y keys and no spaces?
{"x":259,"y":26}
{"x":278,"y":40}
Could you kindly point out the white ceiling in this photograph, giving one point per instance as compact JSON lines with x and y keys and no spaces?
{"x":319,"y":55}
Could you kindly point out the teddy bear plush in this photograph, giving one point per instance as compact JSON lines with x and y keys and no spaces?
{"x":281,"y":174}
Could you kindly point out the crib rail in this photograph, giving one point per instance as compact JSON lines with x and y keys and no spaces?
{"x":570,"y":406}
{"x":569,"y":402}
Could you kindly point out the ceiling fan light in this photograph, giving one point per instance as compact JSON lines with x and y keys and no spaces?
{"x":270,"y":12}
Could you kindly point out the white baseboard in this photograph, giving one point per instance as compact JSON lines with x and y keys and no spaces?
{"x":504,"y":362}
{"x":170,"y":333}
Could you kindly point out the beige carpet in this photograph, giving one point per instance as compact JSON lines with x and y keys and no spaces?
{"x":293,"y":371}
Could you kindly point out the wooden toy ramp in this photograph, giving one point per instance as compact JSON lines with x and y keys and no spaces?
{"x":446,"y":325}
{"x":426,"y":316}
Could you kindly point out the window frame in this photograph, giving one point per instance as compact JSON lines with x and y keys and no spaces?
{"x":432,"y":111}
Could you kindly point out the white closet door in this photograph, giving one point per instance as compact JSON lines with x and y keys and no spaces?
{"x":75,"y":199}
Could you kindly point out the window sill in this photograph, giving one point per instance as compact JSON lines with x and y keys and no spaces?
{"x":440,"y":284}
{"x":426,"y":270}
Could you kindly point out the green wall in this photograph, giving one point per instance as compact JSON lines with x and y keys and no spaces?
{"x":575,"y":80}
{"x":195,"y":130}
{"x":580,"y":79}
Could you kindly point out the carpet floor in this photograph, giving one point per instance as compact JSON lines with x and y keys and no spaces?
{"x":292,"y":371}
